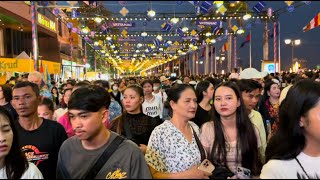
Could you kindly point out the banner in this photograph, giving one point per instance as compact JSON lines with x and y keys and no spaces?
{"x":190,"y":37}
{"x":16,"y":65}
{"x":52,"y":67}
{"x":126,"y":39}
{"x":207,"y":22}
{"x":122,"y":24}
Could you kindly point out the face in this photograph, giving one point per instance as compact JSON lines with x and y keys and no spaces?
{"x":166,"y":82}
{"x":147,"y":88}
{"x":186,"y":106}
{"x":69,"y":86}
{"x":311,"y":124}
{"x":186,"y":80}
{"x":87,"y":125}
{"x":132,"y":101}
{"x":25,"y":101}
{"x":6,"y":136}
{"x":251,"y":99}
{"x":209,"y":91}
{"x":66,"y":96}
{"x":35,"y":80}
{"x":274,"y":91}
{"x":45,"y":112}
{"x":156,"y":86}
{"x":54,"y":90}
{"x":226,"y":101}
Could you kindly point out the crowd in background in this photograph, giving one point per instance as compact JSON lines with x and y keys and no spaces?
{"x":248,"y":125}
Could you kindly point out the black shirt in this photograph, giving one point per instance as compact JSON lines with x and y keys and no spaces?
{"x":41,"y":146}
{"x":140,"y":126}
{"x":201,"y":116}
{"x":11,"y":110}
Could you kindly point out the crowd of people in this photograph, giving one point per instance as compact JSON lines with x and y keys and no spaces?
{"x":246,"y":125}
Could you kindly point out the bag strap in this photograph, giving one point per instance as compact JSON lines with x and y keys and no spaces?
{"x":92,"y":173}
{"x":201,"y":149}
{"x":302,"y":167}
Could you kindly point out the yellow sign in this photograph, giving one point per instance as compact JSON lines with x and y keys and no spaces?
{"x":53,"y":67}
{"x":16,"y":65}
{"x":46,"y":22}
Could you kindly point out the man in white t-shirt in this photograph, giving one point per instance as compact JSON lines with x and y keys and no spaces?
{"x":157,"y":92}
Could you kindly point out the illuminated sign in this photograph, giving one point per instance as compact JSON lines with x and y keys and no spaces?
{"x":47,"y":23}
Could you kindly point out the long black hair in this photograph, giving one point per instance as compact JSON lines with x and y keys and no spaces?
{"x":247,"y":142}
{"x":15,"y":162}
{"x":202,"y":86}
{"x":289,"y":140}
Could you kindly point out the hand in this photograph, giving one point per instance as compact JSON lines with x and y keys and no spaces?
{"x":233,"y":177}
{"x":143,"y":148}
{"x":195,"y":173}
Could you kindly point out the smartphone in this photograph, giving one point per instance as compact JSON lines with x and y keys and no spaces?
{"x":206,"y":166}
{"x":243,"y":173}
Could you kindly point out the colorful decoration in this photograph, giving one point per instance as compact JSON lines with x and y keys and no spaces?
{"x":222,"y":9}
{"x":124,"y":11}
{"x":307,"y":2}
{"x":56,"y":11}
{"x":208,"y":40}
{"x":205,"y":6}
{"x":234,"y":28}
{"x":259,"y":7}
{"x":74,"y":30}
{"x":124,"y":33}
{"x":290,"y":8}
{"x":166,"y":26}
{"x":122,"y":3}
{"x":315,"y":22}
{"x":69,"y":25}
{"x":248,"y":26}
{"x":288,"y":2}
{"x":193,"y":32}
{"x":75,"y":13}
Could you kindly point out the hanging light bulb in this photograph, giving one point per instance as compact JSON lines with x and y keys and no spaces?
{"x":144,"y":34}
{"x":146,"y":50}
{"x":112,"y":46}
{"x":208,"y":34}
{"x":139,"y":45}
{"x":174,"y":20}
{"x":213,"y":41}
{"x":98,"y":19}
{"x":246,"y":16}
{"x":151,"y":13}
{"x":159,"y":37}
{"x":240,"y":31}
{"x":96,"y":43}
{"x":109,"y":38}
{"x":185,"y":29}
{"x":85,"y":30}
{"x":169,"y":42}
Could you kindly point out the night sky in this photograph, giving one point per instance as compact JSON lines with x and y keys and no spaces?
{"x":291,"y":24}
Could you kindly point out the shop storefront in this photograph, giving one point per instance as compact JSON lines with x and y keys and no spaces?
{"x":72,"y":70}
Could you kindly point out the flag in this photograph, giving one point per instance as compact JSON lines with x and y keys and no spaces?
{"x":315,"y":22}
{"x":41,"y":68}
{"x":248,"y":38}
{"x":205,"y":6}
{"x":224,"y":48}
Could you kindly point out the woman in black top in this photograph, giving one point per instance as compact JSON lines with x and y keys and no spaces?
{"x":204,"y":92}
{"x":5,"y":98}
{"x":116,"y":94}
{"x":133,"y":124}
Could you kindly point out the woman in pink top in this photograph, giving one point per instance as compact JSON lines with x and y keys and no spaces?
{"x":230,"y":139}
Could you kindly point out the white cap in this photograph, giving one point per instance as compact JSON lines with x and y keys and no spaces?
{"x":193,"y":82}
{"x":252,"y":73}
{"x":163,"y":78}
{"x":178,"y":81}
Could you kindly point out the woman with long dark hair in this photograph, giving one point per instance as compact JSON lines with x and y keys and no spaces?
{"x":133,"y":124}
{"x":293,"y":152}
{"x":5,"y":100}
{"x":204,"y":93}
{"x":230,"y":139}
{"x":13,"y":163}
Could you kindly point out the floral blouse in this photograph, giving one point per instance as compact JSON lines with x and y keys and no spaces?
{"x":169,"y":151}
{"x":273,"y":111}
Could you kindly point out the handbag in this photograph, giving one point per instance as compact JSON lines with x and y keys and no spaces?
{"x":220,"y":172}
{"x":92,"y":173}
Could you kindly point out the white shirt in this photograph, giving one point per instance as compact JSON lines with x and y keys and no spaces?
{"x":169,"y":151}
{"x":31,"y":173}
{"x":153,"y":108}
{"x":162,"y":95}
{"x":289,"y":169}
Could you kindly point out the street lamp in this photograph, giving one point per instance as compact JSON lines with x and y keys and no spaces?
{"x":292,"y":43}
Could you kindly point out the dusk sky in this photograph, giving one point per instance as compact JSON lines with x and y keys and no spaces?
{"x":291,"y":25}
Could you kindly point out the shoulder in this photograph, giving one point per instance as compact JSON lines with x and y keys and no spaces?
{"x":207,"y":126}
{"x":32,"y":172}
{"x":195,"y":127}
{"x":272,"y":169}
{"x":52,"y":124}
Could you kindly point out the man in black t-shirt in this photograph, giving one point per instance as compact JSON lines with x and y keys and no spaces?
{"x":39,"y":139}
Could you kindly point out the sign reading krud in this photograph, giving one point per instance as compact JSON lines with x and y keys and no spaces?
{"x":16,"y":65}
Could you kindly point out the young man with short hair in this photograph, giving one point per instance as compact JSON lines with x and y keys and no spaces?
{"x":88,"y":111}
{"x":250,"y":91}
{"x":40,"y":139}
